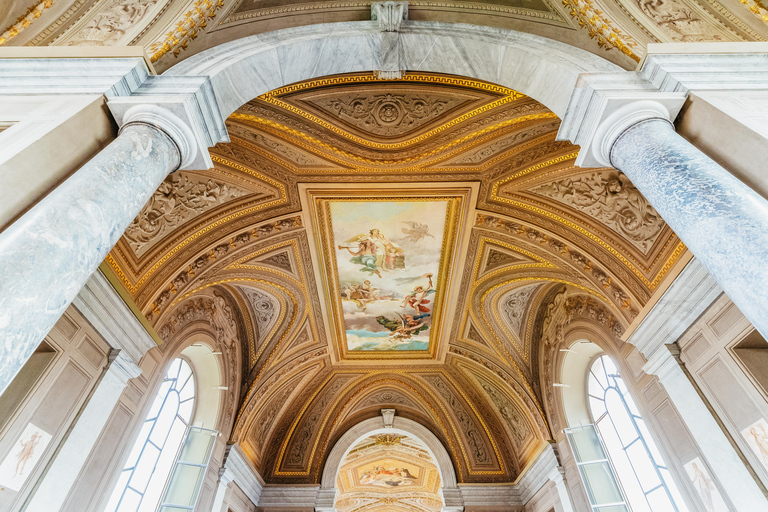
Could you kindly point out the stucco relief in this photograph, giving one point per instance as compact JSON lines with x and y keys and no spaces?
{"x":110,"y":25}
{"x":510,"y":413}
{"x":216,"y":312}
{"x":179,"y":198}
{"x":514,"y":305}
{"x":388,"y":115}
{"x":613,"y":200}
{"x":264,"y":310}
{"x":299,"y":450}
{"x":678,"y":20}
{"x":478,"y":449}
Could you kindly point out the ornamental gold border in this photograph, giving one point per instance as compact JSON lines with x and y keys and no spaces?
{"x":323,"y":224}
{"x":365,"y":375}
{"x":494,"y":196}
{"x":311,"y":144}
{"x":281,"y":199}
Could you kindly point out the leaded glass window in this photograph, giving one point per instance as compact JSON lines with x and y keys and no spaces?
{"x":153,"y":455}
{"x":644,"y":477}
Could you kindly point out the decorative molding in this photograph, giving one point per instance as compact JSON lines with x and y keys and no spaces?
{"x":103,"y":307}
{"x":600,"y":27}
{"x":689,"y":295}
{"x":389,"y":15}
{"x":192,"y":22}
{"x":25,"y":20}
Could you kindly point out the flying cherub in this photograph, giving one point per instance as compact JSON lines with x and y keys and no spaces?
{"x":417,"y":231}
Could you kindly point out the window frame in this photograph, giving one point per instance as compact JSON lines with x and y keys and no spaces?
{"x":123,"y":485}
{"x":677,"y":505}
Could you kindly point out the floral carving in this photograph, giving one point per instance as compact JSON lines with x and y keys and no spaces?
{"x":678,"y":20}
{"x":263,"y":309}
{"x":179,"y":198}
{"x":474,"y":439}
{"x":183,"y":278}
{"x":514,"y":305}
{"x":613,"y":200}
{"x":304,"y":435}
{"x":601,"y":28}
{"x":111,"y":24}
{"x":590,"y":308}
{"x":216,"y":312}
{"x":388,"y":114}
{"x":510,"y":412}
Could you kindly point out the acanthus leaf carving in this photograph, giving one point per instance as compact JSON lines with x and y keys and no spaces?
{"x":110,"y":25}
{"x":474,"y":439}
{"x":264,"y":309}
{"x":388,"y":115}
{"x":510,"y":413}
{"x":514,"y":305}
{"x":179,"y":198}
{"x":613,"y":200}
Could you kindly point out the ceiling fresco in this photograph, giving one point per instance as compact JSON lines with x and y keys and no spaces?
{"x":418,"y":245}
{"x":388,"y":472}
{"x":394,"y":312}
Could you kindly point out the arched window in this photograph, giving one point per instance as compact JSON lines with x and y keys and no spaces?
{"x":644,"y":477}
{"x":158,"y":448}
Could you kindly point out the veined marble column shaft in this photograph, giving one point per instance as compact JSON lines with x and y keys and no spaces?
{"x":722,"y":221}
{"x":50,"y":252}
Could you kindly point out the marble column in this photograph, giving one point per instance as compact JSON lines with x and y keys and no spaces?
{"x":723,"y":460}
{"x":50,"y":252}
{"x":52,"y":489}
{"x":722,"y":221}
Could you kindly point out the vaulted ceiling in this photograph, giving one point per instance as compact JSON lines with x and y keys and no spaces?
{"x":248,"y":248}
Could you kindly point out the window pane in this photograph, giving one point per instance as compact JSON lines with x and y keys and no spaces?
{"x":130,"y":501}
{"x":165,"y":419}
{"x":144,"y":468}
{"x":153,"y":455}
{"x":600,"y":483}
{"x":659,"y":501}
{"x":643,"y":475}
{"x":644,"y":468}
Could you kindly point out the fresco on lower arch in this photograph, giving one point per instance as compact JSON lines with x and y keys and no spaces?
{"x":388,"y":257}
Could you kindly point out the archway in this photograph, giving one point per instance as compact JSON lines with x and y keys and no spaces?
{"x":403,"y":426}
{"x":541,"y":68}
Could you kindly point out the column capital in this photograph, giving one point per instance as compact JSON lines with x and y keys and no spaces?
{"x":170,"y":124}
{"x":603,"y":105}
{"x":666,"y":76}
{"x":191,"y":100}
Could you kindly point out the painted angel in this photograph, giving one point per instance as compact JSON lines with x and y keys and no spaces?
{"x":416,"y":232}
{"x":417,"y":299}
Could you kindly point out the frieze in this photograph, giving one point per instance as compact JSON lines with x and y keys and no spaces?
{"x":612,"y":199}
{"x":388,"y":114}
{"x":181,"y":197}
{"x":202,"y":262}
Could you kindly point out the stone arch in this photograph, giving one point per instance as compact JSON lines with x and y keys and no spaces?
{"x":541,"y":68}
{"x":400,"y":426}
